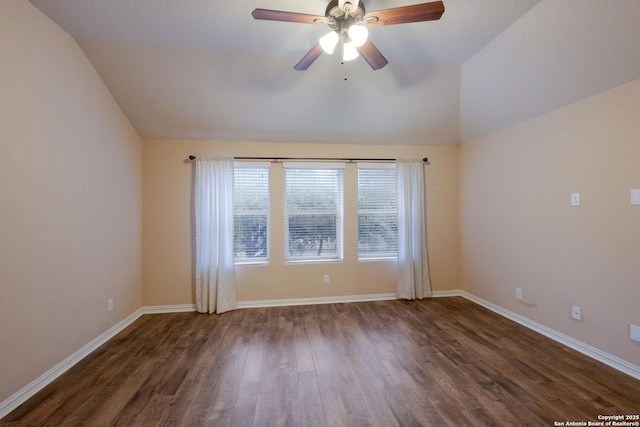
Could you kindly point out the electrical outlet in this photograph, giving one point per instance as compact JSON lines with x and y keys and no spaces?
{"x":325,"y":279}
{"x":110,"y":304}
{"x":576,"y":312}
{"x":518,"y":293}
{"x":634,"y":332}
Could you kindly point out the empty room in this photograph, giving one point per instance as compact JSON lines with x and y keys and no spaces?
{"x":319,"y":213}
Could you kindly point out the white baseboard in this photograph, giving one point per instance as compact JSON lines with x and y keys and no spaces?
{"x":586,"y":349}
{"x":49,"y":376}
{"x":446,"y":294}
{"x":319,"y":300}
{"x":334,"y":300}
{"x":43,"y":380}
{"x":176,"y":308}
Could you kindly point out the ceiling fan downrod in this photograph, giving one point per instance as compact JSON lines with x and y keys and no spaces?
{"x":347,"y":6}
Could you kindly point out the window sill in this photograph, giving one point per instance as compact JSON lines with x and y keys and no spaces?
{"x":243,"y":263}
{"x":313,"y":261}
{"x":379,"y":259}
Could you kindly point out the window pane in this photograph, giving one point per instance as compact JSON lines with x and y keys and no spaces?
{"x":377,"y":212}
{"x":251,"y":214}
{"x":313,"y":213}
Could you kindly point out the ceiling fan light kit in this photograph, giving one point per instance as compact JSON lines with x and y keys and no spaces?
{"x":348,"y":21}
{"x":345,"y":19}
{"x":357,"y":36}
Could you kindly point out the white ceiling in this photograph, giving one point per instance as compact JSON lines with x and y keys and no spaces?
{"x":205,"y":69}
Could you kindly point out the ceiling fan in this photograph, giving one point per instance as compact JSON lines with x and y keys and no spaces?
{"x":349,"y":21}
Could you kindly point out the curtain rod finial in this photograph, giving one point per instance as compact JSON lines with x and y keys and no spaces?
{"x":192,"y":157}
{"x":426,"y":160}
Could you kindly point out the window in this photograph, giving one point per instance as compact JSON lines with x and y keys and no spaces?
{"x":313,"y":211}
{"x":251,"y":212}
{"x":377,"y":211}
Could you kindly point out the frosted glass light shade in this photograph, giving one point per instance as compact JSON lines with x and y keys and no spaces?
{"x":349,"y":51}
{"x":328,"y":42}
{"x":358,"y":34}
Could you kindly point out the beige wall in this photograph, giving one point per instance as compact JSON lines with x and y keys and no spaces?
{"x":519,"y":230}
{"x":70,"y":233}
{"x":168,"y":234}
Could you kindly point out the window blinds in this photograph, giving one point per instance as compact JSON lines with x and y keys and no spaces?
{"x":377,"y":211}
{"x":251,"y":212}
{"x":313,"y":211}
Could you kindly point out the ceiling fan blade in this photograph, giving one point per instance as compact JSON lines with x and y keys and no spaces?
{"x":405,"y":14}
{"x":280,"y":15}
{"x":372,"y":55}
{"x":308,"y":59}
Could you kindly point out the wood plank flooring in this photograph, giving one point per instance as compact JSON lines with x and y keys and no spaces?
{"x":435,"y":362}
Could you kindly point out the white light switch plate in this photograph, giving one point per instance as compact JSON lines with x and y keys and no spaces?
{"x":635,"y":196}
{"x":634,"y":333}
{"x":575,"y":199}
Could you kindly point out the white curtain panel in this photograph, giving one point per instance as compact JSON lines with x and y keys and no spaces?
{"x":215,"y":287}
{"x":413,"y":268}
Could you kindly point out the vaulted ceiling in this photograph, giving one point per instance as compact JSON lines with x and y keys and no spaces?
{"x":205,"y":69}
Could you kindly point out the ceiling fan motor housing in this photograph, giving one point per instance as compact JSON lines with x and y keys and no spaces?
{"x":339,"y":20}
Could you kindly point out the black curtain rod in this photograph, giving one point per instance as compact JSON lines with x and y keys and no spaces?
{"x":426,"y":160}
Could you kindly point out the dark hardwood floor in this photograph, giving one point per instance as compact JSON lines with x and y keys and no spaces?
{"x":436,"y":362}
